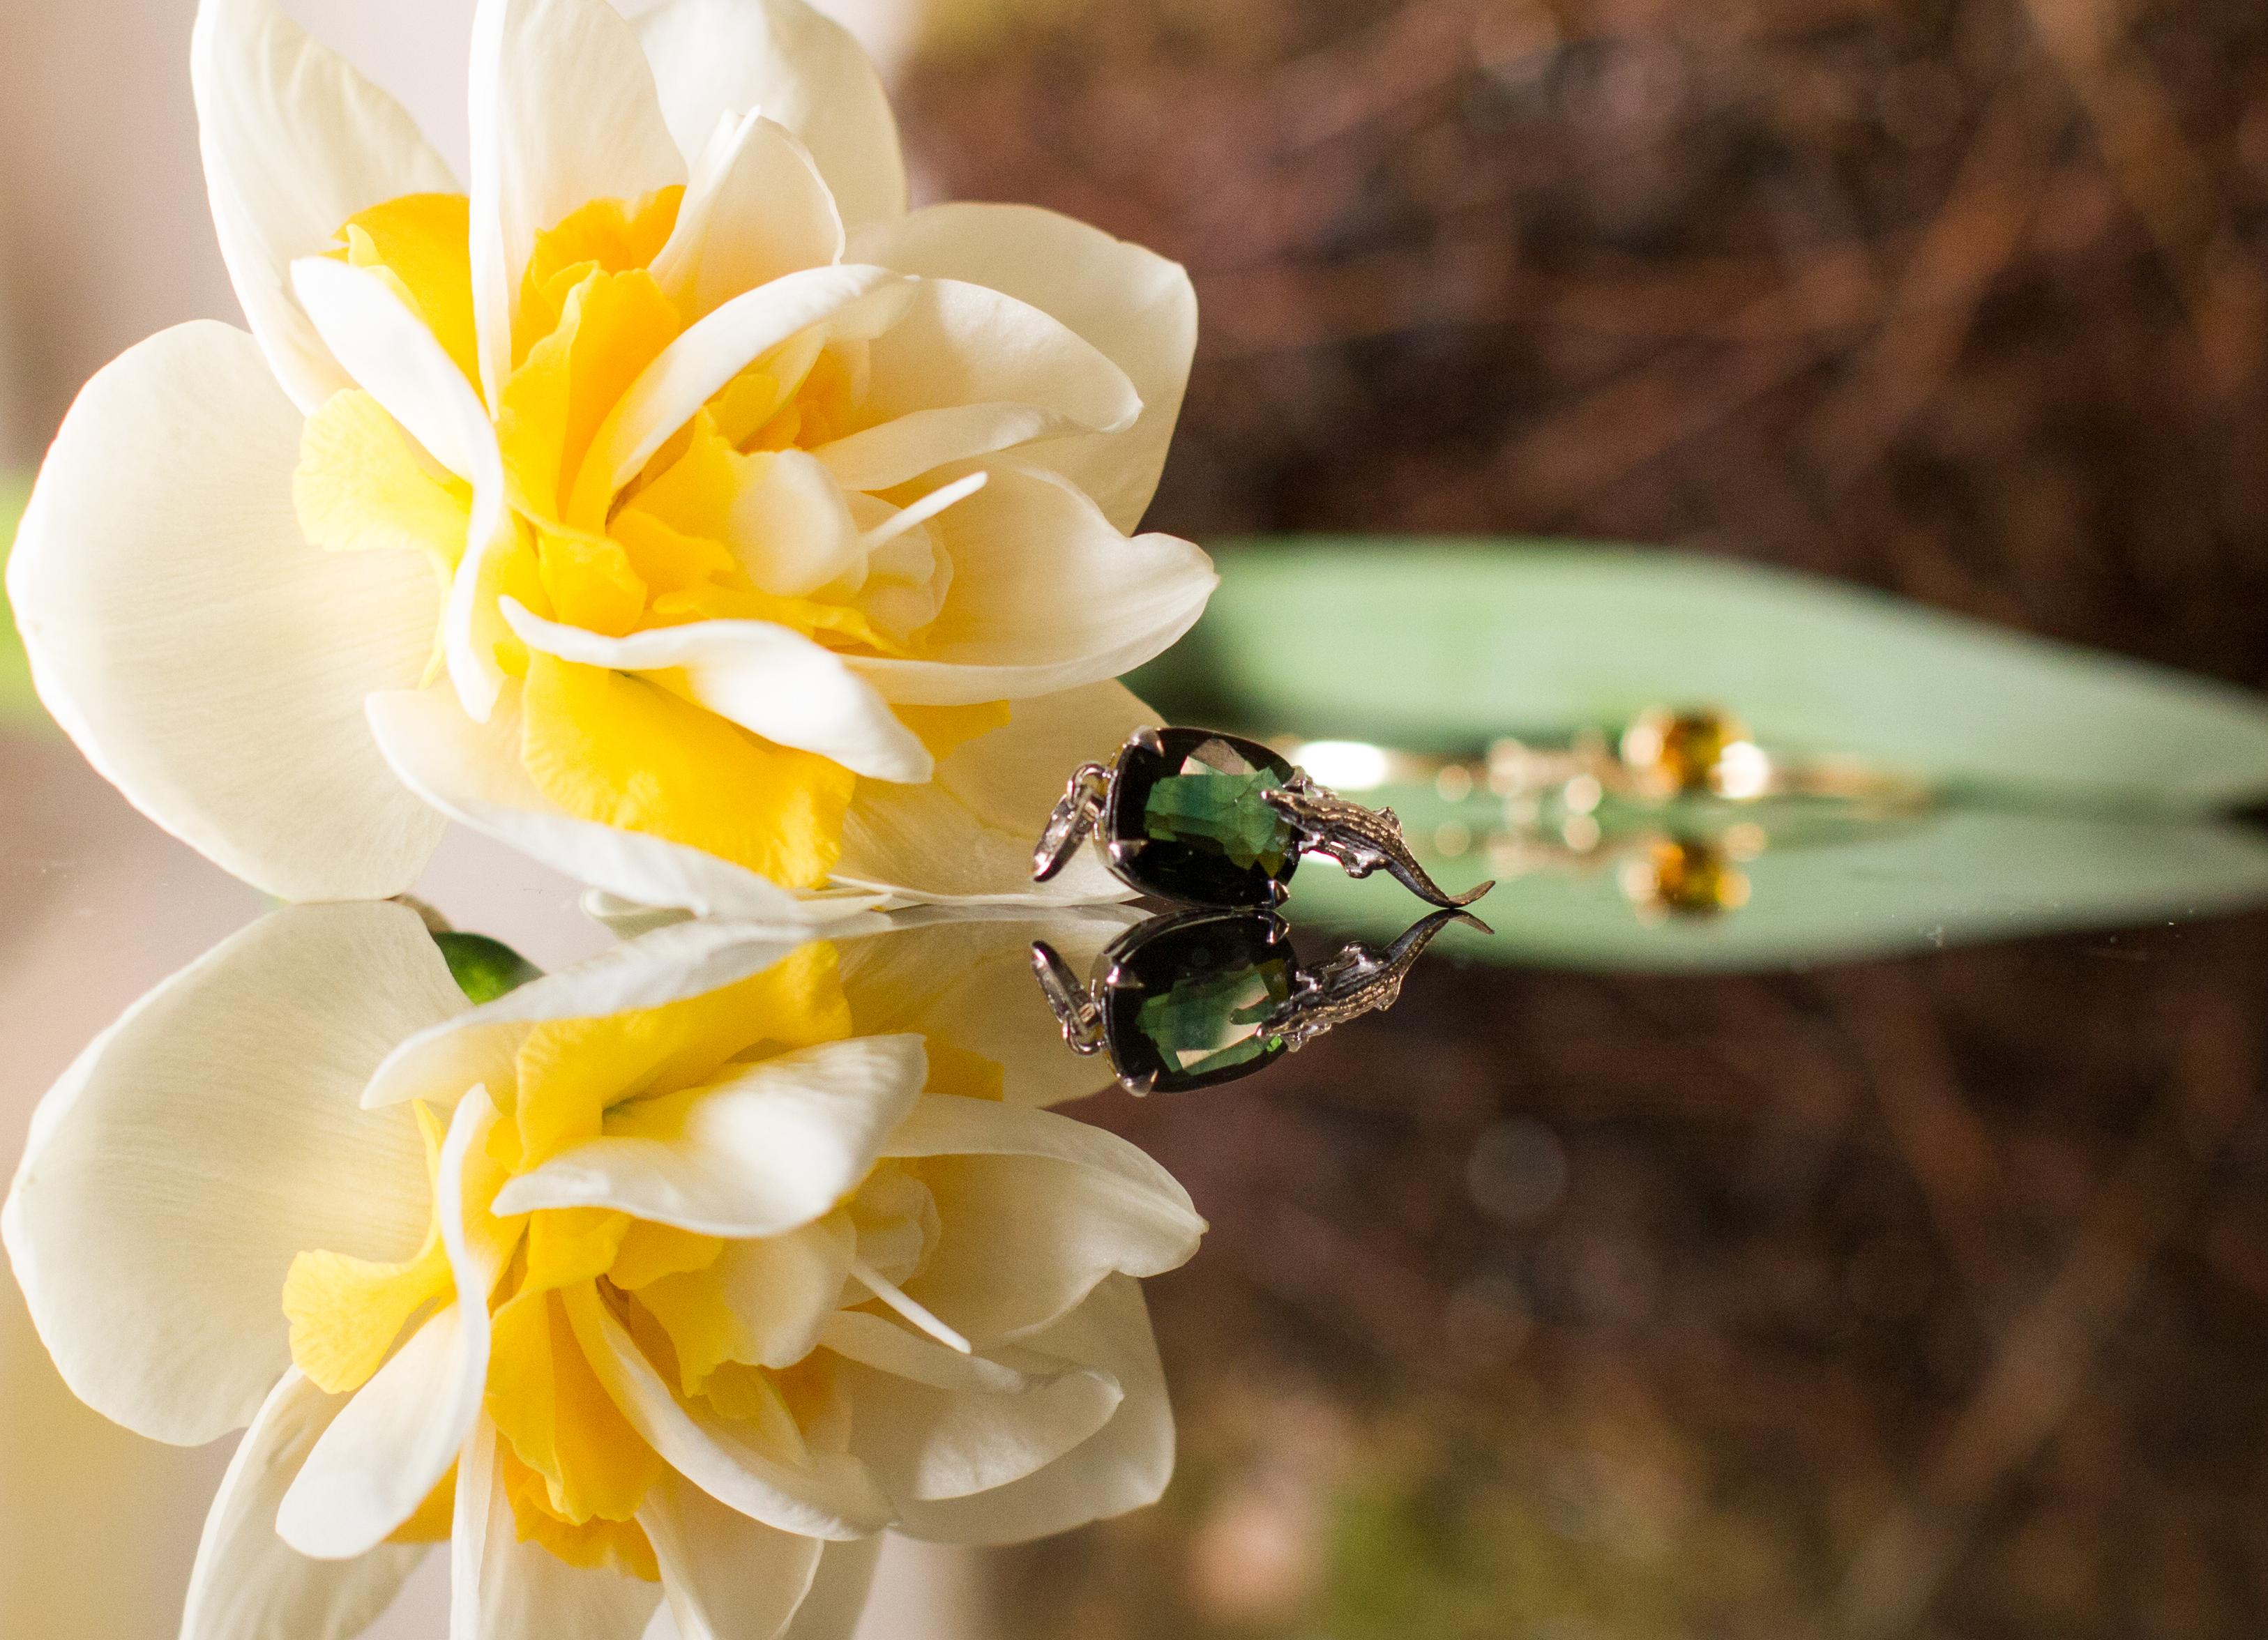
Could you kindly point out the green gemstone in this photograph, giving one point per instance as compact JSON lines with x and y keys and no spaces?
{"x":1229,"y":813}
{"x":1210,"y":1024}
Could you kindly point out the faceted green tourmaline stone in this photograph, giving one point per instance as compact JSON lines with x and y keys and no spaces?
{"x":1191,"y":820}
{"x":1224,"y":812}
{"x":1191,"y":995}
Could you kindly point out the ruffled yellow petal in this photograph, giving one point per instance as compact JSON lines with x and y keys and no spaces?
{"x":611,"y":327}
{"x":559,"y":1419}
{"x":614,"y":748}
{"x":570,"y":1071}
{"x":346,"y":1313}
{"x":604,"y":236}
{"x":652,"y":1252}
{"x":360,"y":485}
{"x":422,"y":244}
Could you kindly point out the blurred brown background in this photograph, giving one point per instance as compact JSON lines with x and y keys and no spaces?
{"x":1961,"y":297}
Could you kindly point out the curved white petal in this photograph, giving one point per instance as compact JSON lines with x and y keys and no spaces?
{"x":471,"y":772}
{"x":384,"y":1452}
{"x":694,"y":368}
{"x":1047,"y":595}
{"x":1124,"y":1465}
{"x":402,"y":364}
{"x":772,"y":1146}
{"x":248,"y":1583}
{"x":757,"y":209}
{"x":669,"y":964}
{"x":828,"y":1496}
{"x":564,"y":111}
{"x":206,"y":661}
{"x":933,"y":1423}
{"x":1036,"y":1210}
{"x":725,"y":1577}
{"x":1133,"y":304}
{"x":966,"y":835}
{"x":502,"y":1588}
{"x":838,"y":1593}
{"x":295,"y":142}
{"x":206,"y":1139}
{"x":765,"y":678}
{"x":394,"y":1440}
{"x":968,"y":371}
{"x":712,"y":58}
{"x":962,"y":976}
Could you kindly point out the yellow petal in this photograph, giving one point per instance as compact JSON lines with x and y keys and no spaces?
{"x":652,"y":1252}
{"x":360,"y":485}
{"x":570,"y":1071}
{"x":559,"y":1419}
{"x":944,"y":729}
{"x":605,"y":236}
{"x":422,"y":241}
{"x":611,"y":327}
{"x":346,"y":1313}
{"x":612,"y":748}
{"x":589,"y":583}
{"x":436,"y":1518}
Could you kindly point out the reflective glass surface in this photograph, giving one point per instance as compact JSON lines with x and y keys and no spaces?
{"x":1878,"y":1248}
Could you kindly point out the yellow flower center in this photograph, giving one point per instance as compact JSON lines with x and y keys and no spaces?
{"x":575,"y":1470}
{"x":714,"y":528}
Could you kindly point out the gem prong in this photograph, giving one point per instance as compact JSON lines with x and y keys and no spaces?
{"x":1075,"y":1007}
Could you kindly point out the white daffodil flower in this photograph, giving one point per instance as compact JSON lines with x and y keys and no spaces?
{"x":674,"y":1276}
{"x":670,"y":502}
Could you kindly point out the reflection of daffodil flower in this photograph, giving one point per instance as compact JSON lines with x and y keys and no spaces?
{"x":686,"y":512}
{"x":680,"y":1274}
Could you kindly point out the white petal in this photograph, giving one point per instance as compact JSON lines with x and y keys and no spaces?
{"x":726,"y":1577}
{"x":1125,"y":1465}
{"x":205,"y":1140}
{"x":210,"y":662}
{"x":1037,"y":1208}
{"x":757,"y":209}
{"x":838,"y":1593}
{"x":471,"y":772}
{"x":963,"y":976}
{"x":674,"y":962}
{"x":400,"y":364}
{"x":563,"y":112}
{"x":969,"y":371}
{"x":383,"y":1453}
{"x":717,"y":58}
{"x":829,"y":1495}
{"x":1047,"y":595}
{"x":782,"y":1289}
{"x":765,"y":678}
{"x":295,"y":142}
{"x":1134,"y":305}
{"x":967,"y":834}
{"x":791,"y":528}
{"x":771,"y":1146}
{"x":501,"y":1588}
{"x":248,"y":1583}
{"x":694,"y":368}
{"x":396,"y":1438}
{"x":934,"y":1423}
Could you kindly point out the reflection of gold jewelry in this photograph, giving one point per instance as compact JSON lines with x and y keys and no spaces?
{"x":1662,"y":756}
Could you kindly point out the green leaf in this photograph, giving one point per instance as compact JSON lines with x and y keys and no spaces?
{"x":1951,"y":877}
{"x":1446,"y":644}
{"x":485,"y":968}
